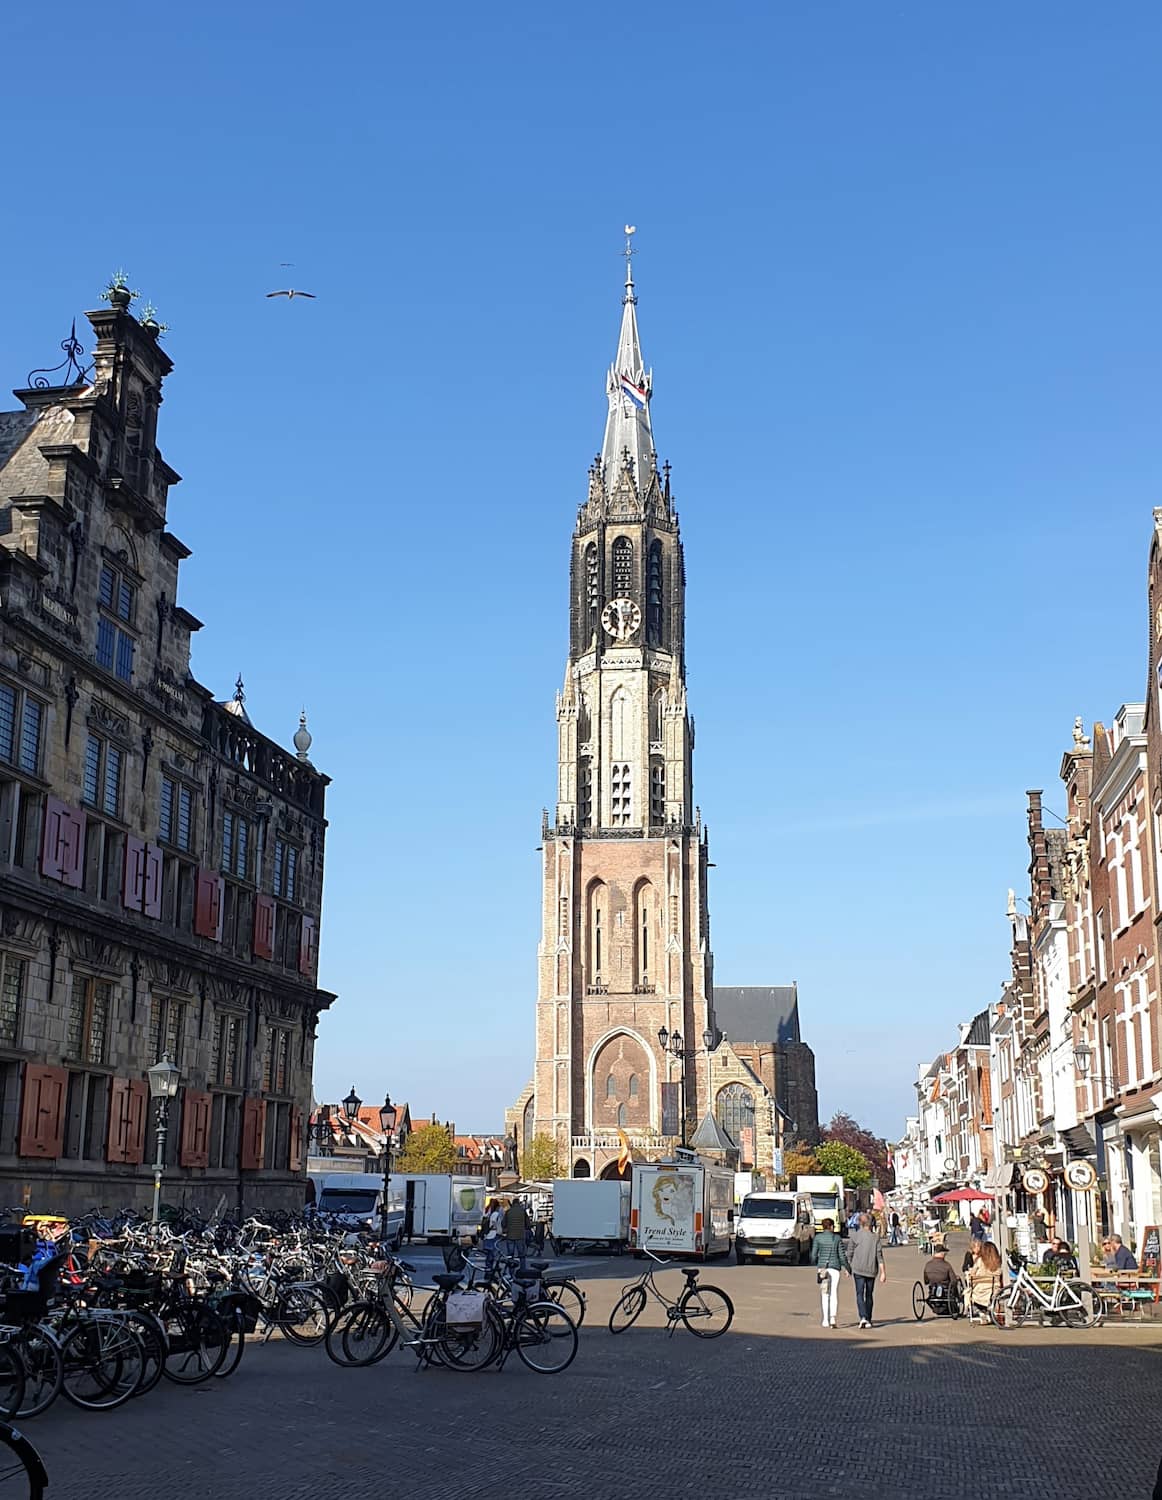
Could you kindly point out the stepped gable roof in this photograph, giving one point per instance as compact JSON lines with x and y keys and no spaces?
{"x":758,"y":1013}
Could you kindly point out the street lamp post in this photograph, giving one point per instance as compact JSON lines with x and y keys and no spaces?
{"x":671,"y":1044}
{"x":324,"y":1135}
{"x":387,"y":1114}
{"x":163,"y":1086}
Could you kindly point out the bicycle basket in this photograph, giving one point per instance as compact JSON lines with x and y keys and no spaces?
{"x":464,"y":1310}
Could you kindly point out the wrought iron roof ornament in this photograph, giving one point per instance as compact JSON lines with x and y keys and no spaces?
{"x":76,"y":372}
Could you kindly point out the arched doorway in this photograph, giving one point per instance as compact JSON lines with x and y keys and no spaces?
{"x":581,"y":1168}
{"x":614,"y":1173}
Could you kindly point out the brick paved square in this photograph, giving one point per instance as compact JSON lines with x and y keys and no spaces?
{"x":778,"y":1407}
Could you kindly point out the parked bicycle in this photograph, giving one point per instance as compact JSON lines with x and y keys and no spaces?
{"x":705,"y":1310}
{"x":1072,"y":1302}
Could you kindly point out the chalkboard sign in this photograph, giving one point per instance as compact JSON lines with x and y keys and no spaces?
{"x":1150,"y":1259}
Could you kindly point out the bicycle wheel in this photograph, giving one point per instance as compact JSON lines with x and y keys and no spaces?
{"x":1084,"y":1310}
{"x":363,"y":1335}
{"x":22,"y":1471}
{"x":148,"y":1329}
{"x":303,"y":1313}
{"x":236,"y":1323}
{"x":44,"y":1372}
{"x":102,"y":1361}
{"x":567,"y":1294}
{"x":706,"y":1311}
{"x":919,"y":1301}
{"x":11,"y":1381}
{"x":197,"y":1343}
{"x":470,"y":1347}
{"x":1010,"y":1307}
{"x":545,"y":1337}
{"x":628,"y":1309}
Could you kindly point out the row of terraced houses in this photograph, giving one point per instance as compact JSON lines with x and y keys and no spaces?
{"x":1062,"y":1076}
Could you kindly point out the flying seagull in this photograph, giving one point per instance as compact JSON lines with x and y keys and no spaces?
{"x":291,"y":294}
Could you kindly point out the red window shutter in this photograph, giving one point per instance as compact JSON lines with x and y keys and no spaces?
{"x":133,"y":885}
{"x":118,"y":1119}
{"x":138,"y":1109}
{"x":151,"y":881}
{"x":42,"y":1111}
{"x":295,"y":1154}
{"x":307,"y":946}
{"x":195,"y":1142}
{"x":264,"y":927}
{"x":50,"y":843}
{"x":253,"y":1134}
{"x":72,"y":847}
{"x":208,"y":905}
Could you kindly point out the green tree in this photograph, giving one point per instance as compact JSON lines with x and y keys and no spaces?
{"x":799,"y":1160}
{"x":540,"y":1160}
{"x":838,"y":1159}
{"x":429,"y":1149}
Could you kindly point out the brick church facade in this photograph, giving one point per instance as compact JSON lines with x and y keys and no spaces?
{"x":161,"y":860}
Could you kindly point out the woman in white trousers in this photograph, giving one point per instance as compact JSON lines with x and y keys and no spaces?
{"x":829,"y":1256}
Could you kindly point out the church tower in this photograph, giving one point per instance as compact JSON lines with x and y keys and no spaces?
{"x":625,"y":947}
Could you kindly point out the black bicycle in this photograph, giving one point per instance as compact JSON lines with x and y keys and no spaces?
{"x":705,"y":1310}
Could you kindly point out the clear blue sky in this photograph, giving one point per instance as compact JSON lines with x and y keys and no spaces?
{"x":898,"y":281}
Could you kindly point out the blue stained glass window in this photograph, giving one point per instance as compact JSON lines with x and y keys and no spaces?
{"x":106,"y":643}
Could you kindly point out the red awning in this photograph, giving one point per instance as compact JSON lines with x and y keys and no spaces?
{"x":963,"y":1195}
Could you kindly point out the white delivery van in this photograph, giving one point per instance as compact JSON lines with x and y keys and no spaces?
{"x":683,"y":1207}
{"x":589,"y":1212}
{"x":438,"y":1206}
{"x":356,"y":1201}
{"x":774,"y":1226}
{"x":826,"y":1194}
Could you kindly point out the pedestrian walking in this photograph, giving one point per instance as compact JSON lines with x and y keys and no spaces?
{"x":829,"y":1258}
{"x":492,"y":1223}
{"x":516,"y":1229}
{"x":865,"y":1254}
{"x":895,"y":1235}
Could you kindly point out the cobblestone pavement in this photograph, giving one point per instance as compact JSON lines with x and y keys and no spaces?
{"x":779,"y":1408}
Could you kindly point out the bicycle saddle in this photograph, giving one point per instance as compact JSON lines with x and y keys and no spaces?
{"x":538,"y":1265}
{"x":446,"y":1280}
{"x":526,"y":1278}
{"x":691,"y":1273}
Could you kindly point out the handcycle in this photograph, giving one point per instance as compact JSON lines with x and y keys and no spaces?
{"x":942,"y":1301}
{"x":705,"y":1310}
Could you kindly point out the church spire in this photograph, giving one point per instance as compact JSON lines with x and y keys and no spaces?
{"x":629,"y":386}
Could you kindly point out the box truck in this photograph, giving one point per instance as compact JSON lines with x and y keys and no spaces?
{"x":590,"y":1213}
{"x":826,"y":1194}
{"x":438,"y":1206}
{"x":683,"y":1207}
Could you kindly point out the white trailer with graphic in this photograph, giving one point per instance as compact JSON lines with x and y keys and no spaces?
{"x":683,"y":1207}
{"x":438,"y":1206}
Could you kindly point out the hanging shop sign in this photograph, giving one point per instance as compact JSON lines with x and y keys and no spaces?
{"x":1035,"y":1180}
{"x":1081,"y":1176}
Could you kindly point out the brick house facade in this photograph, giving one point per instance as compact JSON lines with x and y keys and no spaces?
{"x":161,"y":860}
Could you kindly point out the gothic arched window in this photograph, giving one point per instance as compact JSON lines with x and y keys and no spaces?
{"x":633,"y":1085}
{"x":585,"y":794}
{"x":654,"y":592}
{"x":592,"y":592}
{"x":610,"y":1088}
{"x":598,"y":935}
{"x":622,"y":1116}
{"x":644,"y":908}
{"x":622,"y":579}
{"x":735,"y":1110}
{"x":657,"y":791}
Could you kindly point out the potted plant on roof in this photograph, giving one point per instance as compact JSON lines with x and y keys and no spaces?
{"x":118,"y":293}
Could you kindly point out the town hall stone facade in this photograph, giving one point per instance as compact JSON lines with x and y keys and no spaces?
{"x":161,"y":860}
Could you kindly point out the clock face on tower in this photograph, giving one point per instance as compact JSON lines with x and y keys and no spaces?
{"x":620,"y":618}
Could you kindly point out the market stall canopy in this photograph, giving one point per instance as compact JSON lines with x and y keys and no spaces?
{"x":963,"y":1195}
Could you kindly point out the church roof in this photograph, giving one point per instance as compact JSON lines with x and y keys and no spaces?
{"x":629,"y":387}
{"x":758,"y":1013}
{"x":710,"y":1136}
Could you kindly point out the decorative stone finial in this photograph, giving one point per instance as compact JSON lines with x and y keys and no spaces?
{"x":303,"y":737}
{"x":1080,"y":738}
{"x":1011,"y":910}
{"x":239,"y":690}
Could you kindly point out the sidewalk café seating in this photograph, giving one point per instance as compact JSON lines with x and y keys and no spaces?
{"x":1128,"y":1293}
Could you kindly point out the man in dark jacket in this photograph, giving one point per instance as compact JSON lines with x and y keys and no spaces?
{"x":516,"y":1228}
{"x":939,"y":1273}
